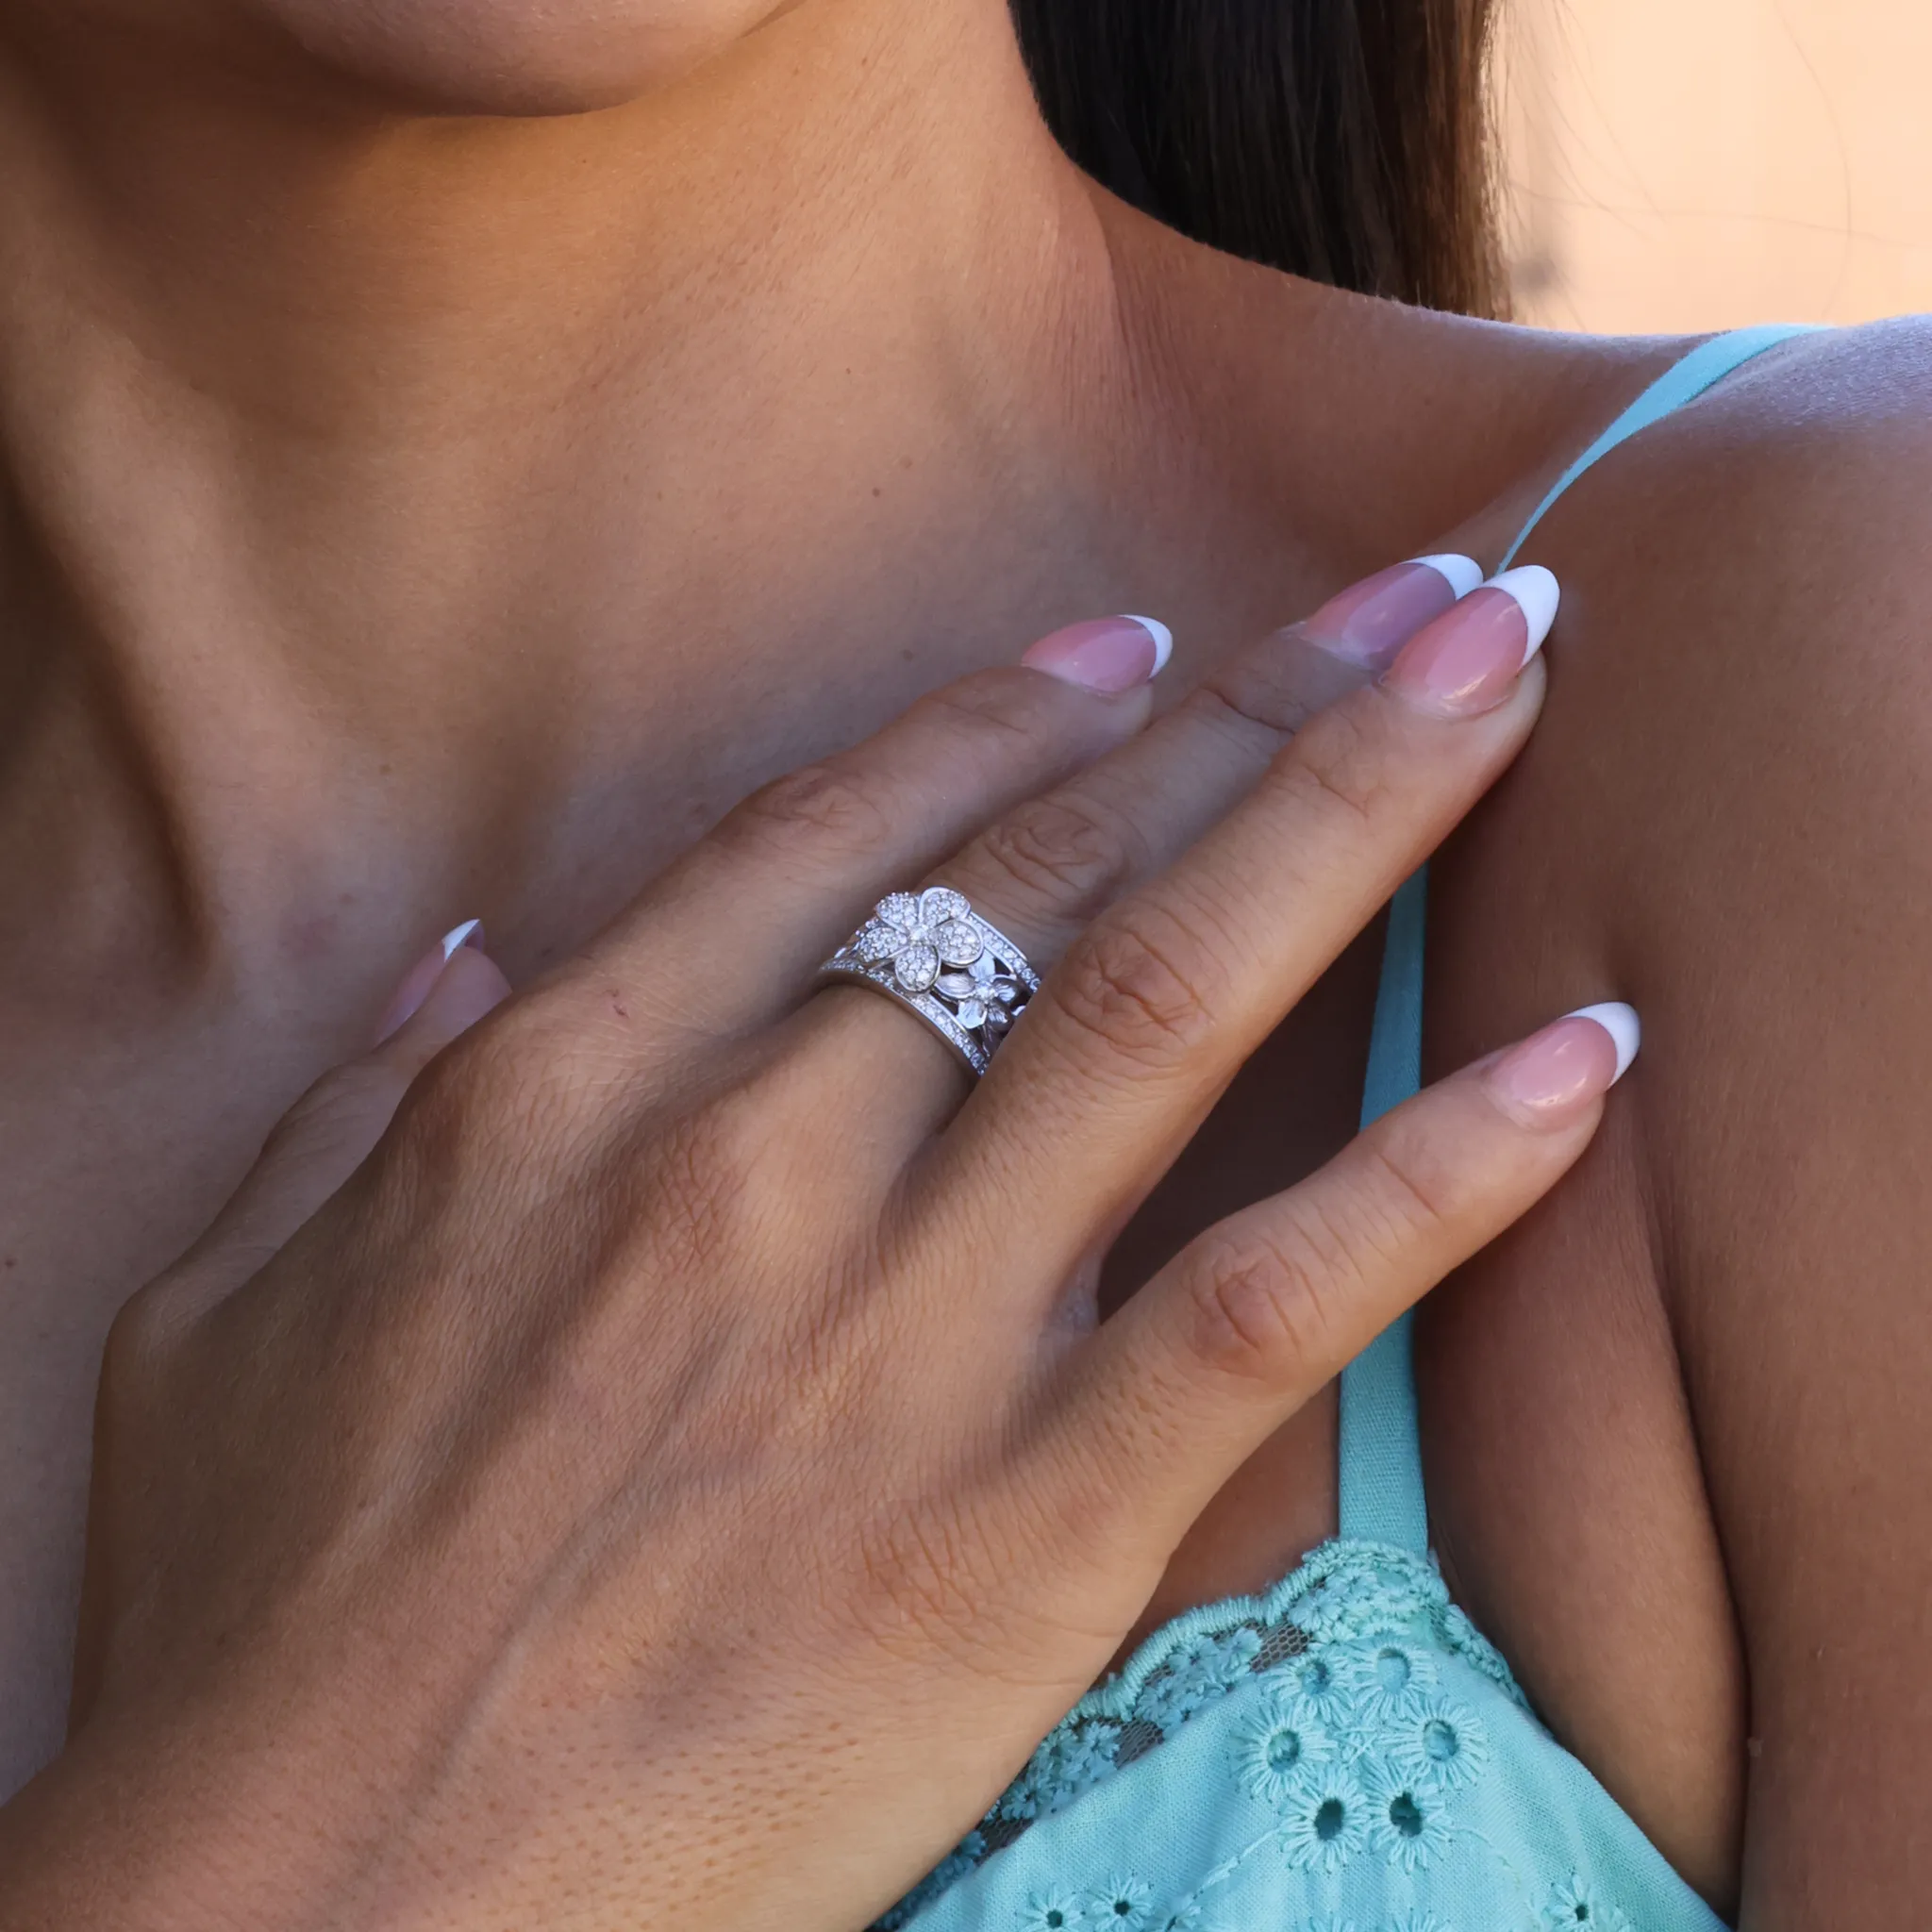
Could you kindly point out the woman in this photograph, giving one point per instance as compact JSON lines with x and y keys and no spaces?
{"x":455,"y":458}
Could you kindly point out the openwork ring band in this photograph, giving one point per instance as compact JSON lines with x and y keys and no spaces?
{"x":936,"y":958}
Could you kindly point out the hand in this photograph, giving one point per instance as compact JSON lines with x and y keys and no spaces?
{"x":677,"y":1477}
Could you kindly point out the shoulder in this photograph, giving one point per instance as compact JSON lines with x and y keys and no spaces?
{"x":1714,"y":1340}
{"x":1808,"y":471}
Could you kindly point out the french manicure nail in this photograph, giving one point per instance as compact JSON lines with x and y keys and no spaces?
{"x":1370,"y":622}
{"x":424,"y":974}
{"x":1103,"y":654}
{"x":1467,"y":660}
{"x":468,"y":934}
{"x":1548,"y":1076}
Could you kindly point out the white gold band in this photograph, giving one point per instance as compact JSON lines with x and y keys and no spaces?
{"x":935,"y":956}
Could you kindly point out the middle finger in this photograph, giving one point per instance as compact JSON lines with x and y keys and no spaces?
{"x":1158,"y":1002}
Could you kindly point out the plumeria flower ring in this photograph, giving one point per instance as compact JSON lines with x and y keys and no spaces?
{"x":934,"y":946}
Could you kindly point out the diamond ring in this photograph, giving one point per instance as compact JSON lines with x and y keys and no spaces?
{"x":934,"y":954}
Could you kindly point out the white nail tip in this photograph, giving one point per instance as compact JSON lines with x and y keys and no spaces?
{"x":1163,"y":638}
{"x":457,"y":936}
{"x":1622,"y":1023}
{"x":1537,"y":590}
{"x":1464,"y":573}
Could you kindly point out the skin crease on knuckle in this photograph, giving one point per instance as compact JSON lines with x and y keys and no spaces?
{"x":1142,"y":988}
{"x":1263,"y":1305}
{"x":1068,"y":856}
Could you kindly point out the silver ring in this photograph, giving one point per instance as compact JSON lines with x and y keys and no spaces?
{"x":934,"y":954}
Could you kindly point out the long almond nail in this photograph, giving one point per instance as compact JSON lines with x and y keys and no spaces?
{"x":1370,"y":620}
{"x":424,"y":974}
{"x":1103,"y":654}
{"x":1467,"y":660}
{"x":1552,"y":1076}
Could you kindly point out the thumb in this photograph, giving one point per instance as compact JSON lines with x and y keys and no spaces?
{"x":331,"y":1130}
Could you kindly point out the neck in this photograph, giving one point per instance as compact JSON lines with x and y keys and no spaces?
{"x":384,"y":480}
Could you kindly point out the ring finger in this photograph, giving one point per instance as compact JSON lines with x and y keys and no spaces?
{"x":1044,"y":870}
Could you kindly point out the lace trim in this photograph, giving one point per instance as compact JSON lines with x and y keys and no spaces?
{"x":1343,"y":1592}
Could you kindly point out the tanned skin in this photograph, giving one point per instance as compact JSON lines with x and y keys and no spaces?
{"x":446,"y":469}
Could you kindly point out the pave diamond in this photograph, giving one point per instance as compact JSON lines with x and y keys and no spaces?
{"x":960,"y":944}
{"x":940,"y":903}
{"x":916,"y":966}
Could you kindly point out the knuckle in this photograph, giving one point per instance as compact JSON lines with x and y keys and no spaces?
{"x":1002,"y":709}
{"x":706,"y":1177}
{"x":496,"y":1107}
{"x":1256,"y":702}
{"x":1264,"y":1308}
{"x":139,"y":1344}
{"x":1337,"y":769}
{"x":1403,"y":1197}
{"x":1139,"y":984}
{"x":924,"y":1583}
{"x":346,"y":1109}
{"x":1273,"y":1298}
{"x":1065,"y":850}
{"x":828,"y":805}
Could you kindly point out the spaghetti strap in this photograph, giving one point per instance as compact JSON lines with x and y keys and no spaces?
{"x":1380,"y":1452}
{"x":1382,"y":1499}
{"x":1683,"y":382}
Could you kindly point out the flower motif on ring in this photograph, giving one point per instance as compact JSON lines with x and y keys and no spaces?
{"x":924,"y":935}
{"x":1407,"y":1820}
{"x":1278,"y":1744}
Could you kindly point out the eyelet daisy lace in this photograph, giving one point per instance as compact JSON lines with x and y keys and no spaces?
{"x":1306,"y":1637}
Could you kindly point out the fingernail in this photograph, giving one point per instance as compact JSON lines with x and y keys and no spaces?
{"x":1549,"y":1077}
{"x":1370,"y":620}
{"x":417,"y":981}
{"x":468,"y":934}
{"x":1104,"y":654}
{"x":1467,"y":660}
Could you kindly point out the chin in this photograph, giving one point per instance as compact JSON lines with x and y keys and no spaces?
{"x":513,"y":56}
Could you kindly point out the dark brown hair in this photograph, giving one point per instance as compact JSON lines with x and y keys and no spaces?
{"x":1347,"y":140}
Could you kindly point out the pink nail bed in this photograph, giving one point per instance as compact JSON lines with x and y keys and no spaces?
{"x":1370,"y":620}
{"x":417,"y":981}
{"x":1467,"y":660}
{"x":1571,"y":1061}
{"x":1103,"y":654}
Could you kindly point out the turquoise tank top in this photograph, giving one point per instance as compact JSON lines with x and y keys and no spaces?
{"x":1345,"y":1753}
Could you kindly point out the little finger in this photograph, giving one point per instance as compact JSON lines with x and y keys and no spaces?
{"x":1167,"y":1399}
{"x":330,"y":1131}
